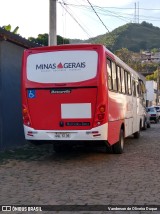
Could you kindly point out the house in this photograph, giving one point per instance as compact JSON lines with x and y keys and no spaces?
{"x":11,"y":50}
{"x":147,"y":56}
{"x":151,"y":97}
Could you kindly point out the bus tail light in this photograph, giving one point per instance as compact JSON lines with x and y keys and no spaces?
{"x":102,"y":108}
{"x":25,"y":114}
{"x":100,"y":115}
{"x":94,"y":133}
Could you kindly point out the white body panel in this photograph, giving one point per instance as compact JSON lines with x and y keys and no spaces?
{"x":128,"y":127}
{"x":86,"y":135}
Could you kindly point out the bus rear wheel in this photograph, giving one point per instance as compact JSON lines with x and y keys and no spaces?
{"x":119,"y":146}
{"x":137,"y":135}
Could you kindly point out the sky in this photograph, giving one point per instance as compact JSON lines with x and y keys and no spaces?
{"x":76,"y":19}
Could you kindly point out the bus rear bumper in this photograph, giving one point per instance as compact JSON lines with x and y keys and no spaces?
{"x":99,"y":133}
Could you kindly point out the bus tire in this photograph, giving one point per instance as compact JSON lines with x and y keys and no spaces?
{"x":108,"y":149}
{"x":137,"y":134}
{"x":119,"y":146}
{"x":148,"y":125}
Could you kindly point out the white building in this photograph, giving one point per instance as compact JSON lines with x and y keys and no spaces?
{"x":147,"y":56}
{"x":151,"y":87}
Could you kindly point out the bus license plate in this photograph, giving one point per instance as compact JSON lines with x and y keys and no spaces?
{"x":62,"y":135}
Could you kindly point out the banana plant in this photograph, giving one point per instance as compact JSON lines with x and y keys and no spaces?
{"x":8,"y":28}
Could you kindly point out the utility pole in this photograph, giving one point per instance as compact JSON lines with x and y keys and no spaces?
{"x":52,"y":23}
{"x":157,"y":100}
{"x":138,"y":12}
{"x":135,"y":13}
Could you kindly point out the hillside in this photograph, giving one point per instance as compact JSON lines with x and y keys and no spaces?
{"x":134,"y":37}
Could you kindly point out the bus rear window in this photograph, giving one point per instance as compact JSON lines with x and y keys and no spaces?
{"x":62,"y":66}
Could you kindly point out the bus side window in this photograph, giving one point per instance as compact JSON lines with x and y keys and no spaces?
{"x":139,"y":94}
{"x":138,"y":89}
{"x":109,"y":74}
{"x":119,"y":79}
{"x":129,"y":84}
{"x":114,"y":76}
{"x":123,"y":80}
{"x":126,"y":81}
{"x":141,"y":88}
{"x":134,"y":88}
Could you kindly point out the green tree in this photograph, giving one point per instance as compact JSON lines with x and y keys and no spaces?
{"x":150,"y":77}
{"x":153,"y":76}
{"x":146,"y":24}
{"x":61,"y":40}
{"x":149,"y":67}
{"x":130,"y":58}
{"x":125,"y":55}
{"x":155,"y":50}
{"x":42,"y":39}
{"x":134,"y":61}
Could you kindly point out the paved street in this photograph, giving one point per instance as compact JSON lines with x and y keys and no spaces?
{"x":84,"y":176}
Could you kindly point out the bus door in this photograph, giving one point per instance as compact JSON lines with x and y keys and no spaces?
{"x":134,"y":101}
{"x":141,"y":97}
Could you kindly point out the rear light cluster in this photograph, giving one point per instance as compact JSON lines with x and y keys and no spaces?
{"x":94,"y":133}
{"x":25,"y":114}
{"x":100,"y":115}
{"x":31,"y":133}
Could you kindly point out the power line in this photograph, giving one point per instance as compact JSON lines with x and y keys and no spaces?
{"x":101,"y":11}
{"x":75,"y":20}
{"x":118,"y":8}
{"x":115,"y":14}
{"x":98,"y":16}
{"x":122,"y":16}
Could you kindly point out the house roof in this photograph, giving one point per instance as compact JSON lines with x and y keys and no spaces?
{"x":16,"y":39}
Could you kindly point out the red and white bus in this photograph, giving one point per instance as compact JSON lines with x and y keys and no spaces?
{"x":80,"y":93}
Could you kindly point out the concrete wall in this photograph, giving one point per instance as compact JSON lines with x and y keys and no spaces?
{"x":11,"y":129}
